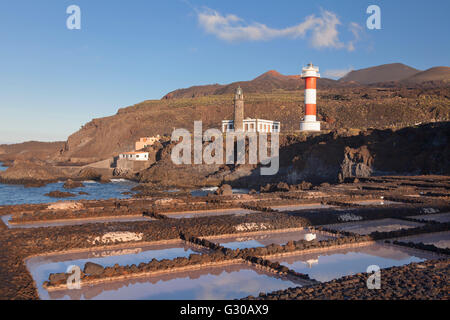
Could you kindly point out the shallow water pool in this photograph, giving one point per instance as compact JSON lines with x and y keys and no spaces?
{"x":40,"y":267}
{"x":438,"y":239}
{"x":336,"y":263}
{"x":213,"y":283}
{"x":367,"y":227}
{"x":262,"y":240}
{"x":301,"y":207}
{"x":73,"y":222}
{"x":207,"y":213}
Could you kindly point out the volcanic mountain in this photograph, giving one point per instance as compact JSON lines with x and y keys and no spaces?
{"x":266,"y":83}
{"x":394,"y":74}
{"x":432,"y":74}
{"x":383,"y":73}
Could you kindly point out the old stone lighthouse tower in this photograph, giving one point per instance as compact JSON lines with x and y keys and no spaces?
{"x":247,"y":124}
{"x":239,"y":110}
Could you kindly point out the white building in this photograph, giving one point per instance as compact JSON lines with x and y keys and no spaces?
{"x":253,"y":125}
{"x":135,"y":156}
{"x":247,"y":125}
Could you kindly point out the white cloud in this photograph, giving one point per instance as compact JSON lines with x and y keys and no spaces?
{"x":323,"y":29}
{"x":337,"y":73}
{"x":356,"y":30}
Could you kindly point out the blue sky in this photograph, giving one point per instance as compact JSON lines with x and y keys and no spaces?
{"x":53,"y":80}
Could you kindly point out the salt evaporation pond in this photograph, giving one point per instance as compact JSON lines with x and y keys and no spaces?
{"x":72,"y":222}
{"x":262,"y":240}
{"x":374,"y":202}
{"x":301,"y":207}
{"x":367,"y":227}
{"x":41,"y":267}
{"x":18,"y":194}
{"x":439,"y":239}
{"x":212,"y":283}
{"x":439,"y":217}
{"x":203,"y":192}
{"x":336,"y":263}
{"x":207,"y":213}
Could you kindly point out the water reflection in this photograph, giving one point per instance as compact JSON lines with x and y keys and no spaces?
{"x":214,"y":283}
{"x":40,"y":267}
{"x":440,"y":240}
{"x":337,"y":263}
{"x":262,"y":240}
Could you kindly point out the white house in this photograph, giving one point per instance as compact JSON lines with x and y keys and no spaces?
{"x":135,"y":156}
{"x":253,"y":125}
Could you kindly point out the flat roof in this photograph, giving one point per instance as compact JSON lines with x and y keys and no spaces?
{"x":135,"y":152}
{"x":260,"y":120}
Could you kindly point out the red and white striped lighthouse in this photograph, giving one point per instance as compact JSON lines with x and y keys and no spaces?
{"x":309,"y":123}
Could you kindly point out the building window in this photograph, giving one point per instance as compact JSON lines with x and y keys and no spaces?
{"x":252,"y":126}
{"x":246,"y":127}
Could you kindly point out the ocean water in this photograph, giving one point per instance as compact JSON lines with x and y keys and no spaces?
{"x":18,"y":194}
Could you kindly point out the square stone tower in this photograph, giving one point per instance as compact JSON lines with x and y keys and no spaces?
{"x":239,"y":110}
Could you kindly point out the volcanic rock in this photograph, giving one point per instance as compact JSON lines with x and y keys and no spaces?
{"x":93,"y":268}
{"x":70,"y":184}
{"x":56,"y":277}
{"x":225,"y":190}
{"x":59,"y":194}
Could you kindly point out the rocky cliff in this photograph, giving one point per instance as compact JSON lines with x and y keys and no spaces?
{"x":357,"y":108}
{"x":336,"y":156}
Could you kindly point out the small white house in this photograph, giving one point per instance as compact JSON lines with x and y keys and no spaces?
{"x":135,"y":156}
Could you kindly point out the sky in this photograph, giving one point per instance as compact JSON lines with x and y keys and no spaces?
{"x":54,"y":79}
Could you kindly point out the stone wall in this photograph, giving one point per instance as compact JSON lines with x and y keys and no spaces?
{"x":130,"y":165}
